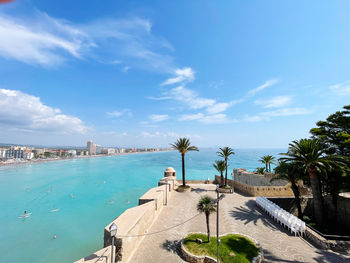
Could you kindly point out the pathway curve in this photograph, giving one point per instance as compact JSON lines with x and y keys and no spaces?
{"x":238,"y":213}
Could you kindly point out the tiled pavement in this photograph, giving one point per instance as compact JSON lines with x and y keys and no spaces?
{"x":237,"y":214}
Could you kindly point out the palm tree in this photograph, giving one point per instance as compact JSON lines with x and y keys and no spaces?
{"x":267,"y":160}
{"x":225,"y":153}
{"x":219,"y":165}
{"x":206,"y":206}
{"x":309,"y":154}
{"x":260,"y":170}
{"x":183,"y":145}
{"x":290,"y":172}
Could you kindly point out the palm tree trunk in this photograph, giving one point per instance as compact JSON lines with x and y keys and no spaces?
{"x":208,"y":229}
{"x":222,"y":179}
{"x":296,"y":193}
{"x":183,"y":169}
{"x":226,"y":172}
{"x":316,"y":196}
{"x":267,"y":168}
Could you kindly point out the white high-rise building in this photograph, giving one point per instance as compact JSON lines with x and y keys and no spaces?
{"x":91,"y":147}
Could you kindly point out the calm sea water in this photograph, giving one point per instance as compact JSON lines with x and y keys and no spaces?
{"x":102,"y":188}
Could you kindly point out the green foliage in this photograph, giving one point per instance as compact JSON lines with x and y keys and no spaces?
{"x":260,"y":170}
{"x":225,"y":153}
{"x":334,"y":133}
{"x":183,"y":145}
{"x":233,"y":248}
{"x":219,"y":165}
{"x":267,"y":160}
{"x":206,"y":205}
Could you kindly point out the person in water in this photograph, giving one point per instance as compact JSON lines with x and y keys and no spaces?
{"x":54,"y":237}
{"x":25,"y":212}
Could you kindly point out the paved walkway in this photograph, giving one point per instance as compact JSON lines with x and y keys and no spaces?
{"x":237,"y":214}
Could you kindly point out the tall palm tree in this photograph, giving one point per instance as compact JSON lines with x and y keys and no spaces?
{"x":267,"y":160}
{"x":183,"y":145}
{"x":225,"y":153}
{"x":290,"y":172}
{"x":219,"y":165}
{"x":206,"y":206}
{"x":309,"y":154}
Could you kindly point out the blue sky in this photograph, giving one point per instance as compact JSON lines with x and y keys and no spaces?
{"x":247,"y":74}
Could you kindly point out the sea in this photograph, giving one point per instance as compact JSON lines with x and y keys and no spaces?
{"x":75,"y":199}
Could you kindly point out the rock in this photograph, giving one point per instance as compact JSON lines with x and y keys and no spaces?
{"x":199,"y":241}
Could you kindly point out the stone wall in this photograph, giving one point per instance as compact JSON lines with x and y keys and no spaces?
{"x":267,"y":191}
{"x":132,"y":225}
{"x":101,"y":256}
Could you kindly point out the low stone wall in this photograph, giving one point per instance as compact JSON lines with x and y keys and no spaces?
{"x":206,"y":259}
{"x":101,"y":256}
{"x":267,"y":191}
{"x":132,"y":225}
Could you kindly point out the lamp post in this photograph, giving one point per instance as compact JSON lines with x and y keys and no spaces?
{"x":166,"y":191}
{"x":113,"y":230}
{"x":233,"y":178}
{"x":217,"y":200}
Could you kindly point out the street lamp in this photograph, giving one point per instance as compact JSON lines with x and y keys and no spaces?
{"x":217,"y":200}
{"x":166,"y":190}
{"x":113,"y":230}
{"x":233,"y":178}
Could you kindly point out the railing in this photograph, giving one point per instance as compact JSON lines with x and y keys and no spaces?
{"x":330,"y":237}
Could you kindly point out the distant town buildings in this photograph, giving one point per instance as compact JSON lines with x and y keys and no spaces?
{"x":23,"y":153}
{"x":91,"y":147}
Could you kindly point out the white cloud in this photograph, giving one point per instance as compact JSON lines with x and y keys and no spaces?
{"x":158,"y":117}
{"x":195,"y":102}
{"x":185,"y":74}
{"x":218,"y":107}
{"x":267,"y":84}
{"x":275,"y":102}
{"x":23,"y":111}
{"x":119,"y":113}
{"x":113,"y":133}
{"x":215,"y":119}
{"x":286,"y":112}
{"x":191,"y":117}
{"x":167,"y":135}
{"x":267,"y":115}
{"x":341,"y":88}
{"x":43,"y":40}
{"x":131,"y":40}
{"x":126,"y":69}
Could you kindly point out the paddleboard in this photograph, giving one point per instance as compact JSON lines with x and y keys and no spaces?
{"x":25,"y":216}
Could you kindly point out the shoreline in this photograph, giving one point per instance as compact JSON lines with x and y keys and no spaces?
{"x":3,"y":164}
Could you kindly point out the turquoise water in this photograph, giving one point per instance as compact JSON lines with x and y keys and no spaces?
{"x":102,"y":188}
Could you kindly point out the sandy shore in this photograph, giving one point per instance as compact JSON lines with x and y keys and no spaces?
{"x":37,"y":161}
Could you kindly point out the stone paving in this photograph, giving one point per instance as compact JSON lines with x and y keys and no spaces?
{"x":238,"y":214}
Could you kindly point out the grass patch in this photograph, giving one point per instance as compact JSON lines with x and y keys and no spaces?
{"x":233,"y":248}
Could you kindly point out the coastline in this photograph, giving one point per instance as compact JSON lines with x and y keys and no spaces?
{"x":2,"y":164}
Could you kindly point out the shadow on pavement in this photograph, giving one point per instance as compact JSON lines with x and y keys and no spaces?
{"x":173,"y":246}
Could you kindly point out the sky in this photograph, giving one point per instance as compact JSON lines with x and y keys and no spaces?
{"x":244,"y":74}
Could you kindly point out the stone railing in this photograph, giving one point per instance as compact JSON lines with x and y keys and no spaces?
{"x":132,"y":225}
{"x":101,"y":256}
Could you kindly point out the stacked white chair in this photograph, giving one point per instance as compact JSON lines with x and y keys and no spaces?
{"x":294,"y":224}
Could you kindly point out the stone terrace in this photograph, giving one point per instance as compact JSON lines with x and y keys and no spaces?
{"x":238,"y":214}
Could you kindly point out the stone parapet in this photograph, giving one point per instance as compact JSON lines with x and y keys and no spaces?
{"x":267,"y":191}
{"x":101,"y":256}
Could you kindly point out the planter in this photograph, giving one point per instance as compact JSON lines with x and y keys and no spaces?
{"x":207,"y":259}
{"x":226,"y":190}
{"x":182,"y":189}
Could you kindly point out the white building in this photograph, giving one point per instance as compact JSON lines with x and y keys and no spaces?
{"x":72,"y":152}
{"x":108,"y":151}
{"x":91,"y":147}
{"x":99,"y":149}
